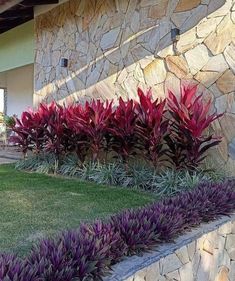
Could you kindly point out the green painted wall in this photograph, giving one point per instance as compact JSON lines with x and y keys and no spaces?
{"x":17,"y":47}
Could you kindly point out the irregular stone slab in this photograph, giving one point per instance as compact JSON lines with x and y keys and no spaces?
{"x":219,"y":40}
{"x":228,"y":124}
{"x":185,"y":5}
{"x":152,"y":272}
{"x":174,"y":275}
{"x":216,"y":92}
{"x":177,"y":65}
{"x":197,"y":14}
{"x":226,"y":83}
{"x":216,"y":63}
{"x":197,"y":58}
{"x":182,"y":254}
{"x":109,"y":38}
{"x":155,"y":72}
{"x":229,"y":54}
{"x":179,"y":18}
{"x":221,"y":104}
{"x":207,"y":78}
{"x":191,"y":250}
{"x":187,"y":41}
{"x":171,"y":263}
{"x":218,"y":8}
{"x":230,"y":246}
{"x":186,"y":272}
{"x":158,"y":11}
{"x":207,"y":26}
{"x":172,"y":83}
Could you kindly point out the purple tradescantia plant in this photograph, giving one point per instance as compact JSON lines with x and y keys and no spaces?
{"x":87,"y":252}
{"x":13,"y":268}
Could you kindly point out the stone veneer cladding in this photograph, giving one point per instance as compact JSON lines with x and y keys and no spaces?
{"x":205,"y":254}
{"x":115,"y":46}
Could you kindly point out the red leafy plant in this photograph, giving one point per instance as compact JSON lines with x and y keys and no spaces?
{"x":54,"y":120}
{"x":92,"y":123}
{"x":191,"y":117}
{"x":30,"y":131}
{"x":124,"y":140}
{"x":43,"y":130}
{"x":151,"y":127}
{"x":132,"y":129}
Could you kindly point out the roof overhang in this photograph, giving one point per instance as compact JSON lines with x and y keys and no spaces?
{"x":16,"y":12}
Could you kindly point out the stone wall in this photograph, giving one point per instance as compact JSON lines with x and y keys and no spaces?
{"x":114,"y":46}
{"x":205,"y":254}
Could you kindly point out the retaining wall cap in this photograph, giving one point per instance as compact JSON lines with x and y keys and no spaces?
{"x":129,"y":266}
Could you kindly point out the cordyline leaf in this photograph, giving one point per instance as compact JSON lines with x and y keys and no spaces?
{"x":151,"y":126}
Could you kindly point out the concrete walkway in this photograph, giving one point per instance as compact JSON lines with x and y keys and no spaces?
{"x":9,"y":155}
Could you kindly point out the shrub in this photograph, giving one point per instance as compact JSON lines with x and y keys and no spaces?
{"x":29,"y":132}
{"x":97,"y":131}
{"x":191,"y":117}
{"x":124,"y":140}
{"x":151,"y":127}
{"x":93,"y":125}
{"x":42,"y":130}
{"x":88,"y":252}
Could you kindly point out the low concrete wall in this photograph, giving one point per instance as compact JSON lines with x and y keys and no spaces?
{"x":204,"y":254}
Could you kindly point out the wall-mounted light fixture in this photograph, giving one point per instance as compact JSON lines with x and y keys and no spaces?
{"x":175,"y":37}
{"x":64,"y":62}
{"x":175,"y":34}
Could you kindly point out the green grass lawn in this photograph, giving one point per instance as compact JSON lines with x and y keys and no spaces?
{"x":33,"y":206}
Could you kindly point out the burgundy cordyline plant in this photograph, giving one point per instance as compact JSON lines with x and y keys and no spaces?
{"x":93,"y":125}
{"x":191,"y":117}
{"x":134,"y":128}
{"x":55,"y":124}
{"x":89,"y":252}
{"x":124,"y":140}
{"x":78,"y":140}
{"x":42,"y":130}
{"x":30,"y":131}
{"x":151,"y":127}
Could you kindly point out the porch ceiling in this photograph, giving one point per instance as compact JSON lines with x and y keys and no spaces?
{"x":16,"y":12}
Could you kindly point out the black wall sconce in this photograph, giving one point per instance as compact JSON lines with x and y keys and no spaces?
{"x":175,"y":37}
{"x":175,"y":34}
{"x":64,"y":62}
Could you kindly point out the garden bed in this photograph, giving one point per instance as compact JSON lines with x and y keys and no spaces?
{"x":157,"y":146}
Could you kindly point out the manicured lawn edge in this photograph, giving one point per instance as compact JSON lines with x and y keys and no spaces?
{"x":36,"y":206}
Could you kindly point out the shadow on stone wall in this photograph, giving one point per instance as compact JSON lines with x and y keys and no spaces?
{"x":113,"y":50}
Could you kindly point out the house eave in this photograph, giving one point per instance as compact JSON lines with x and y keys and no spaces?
{"x":17,"y":12}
